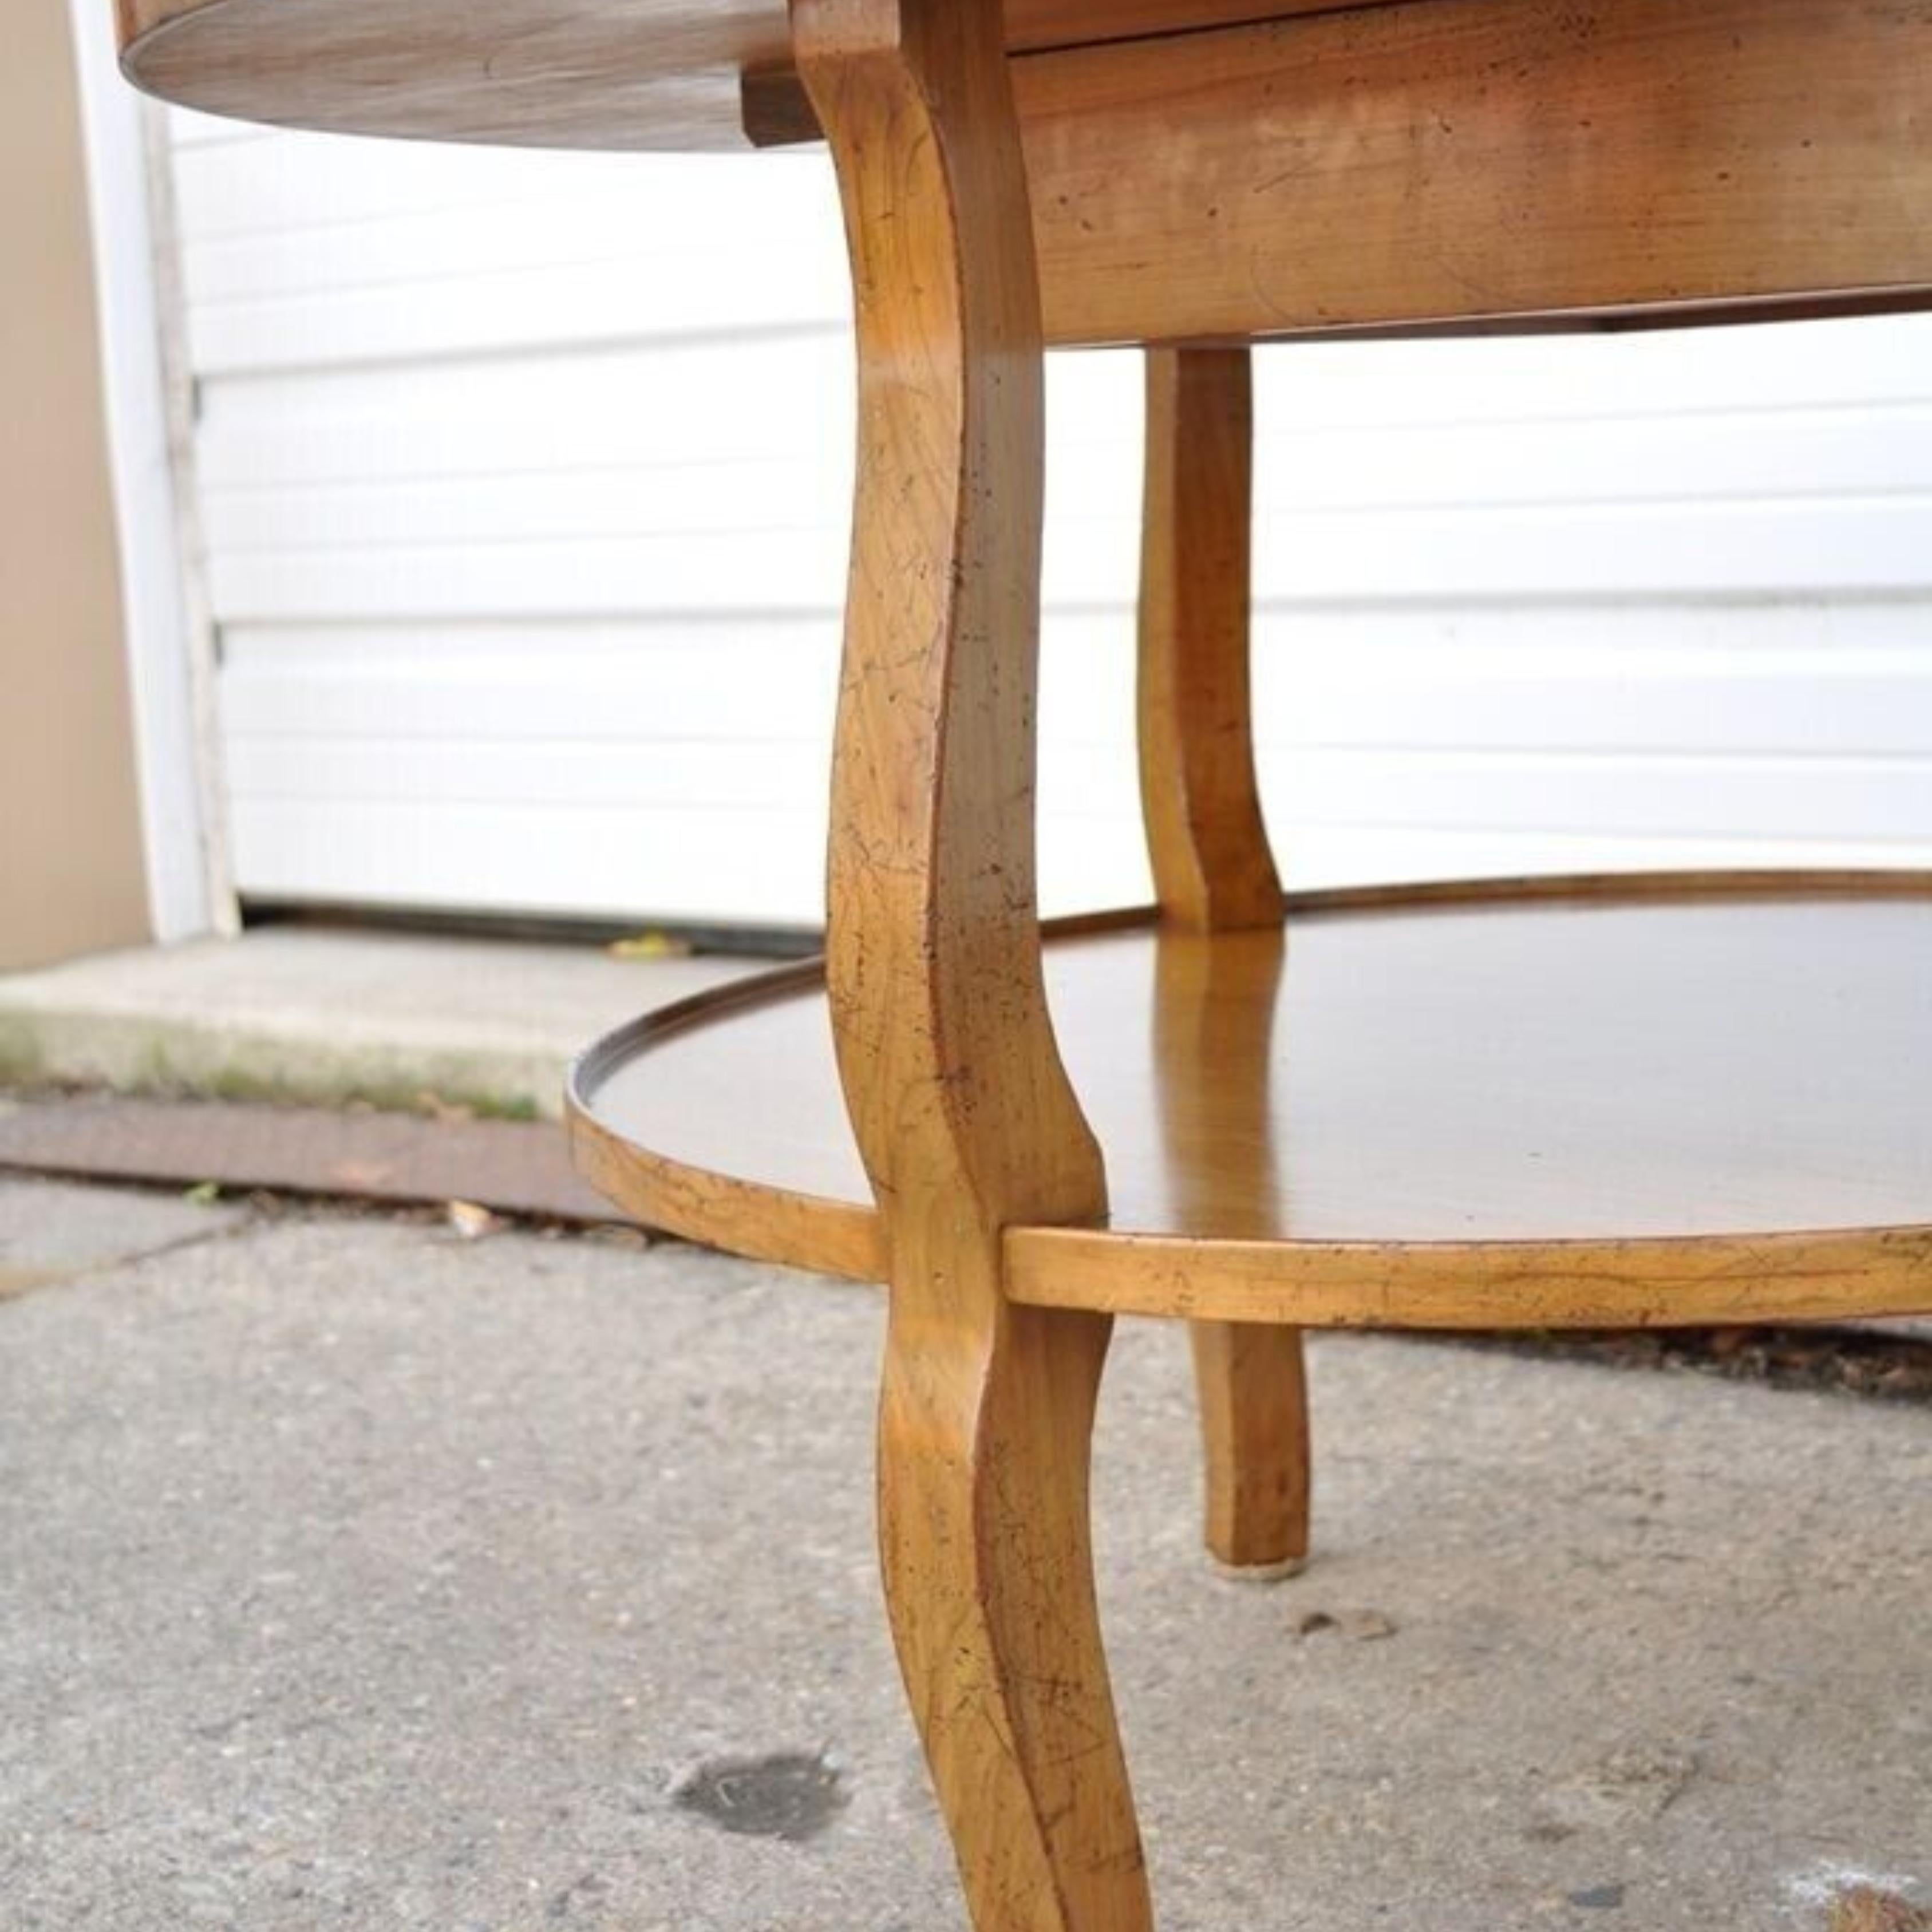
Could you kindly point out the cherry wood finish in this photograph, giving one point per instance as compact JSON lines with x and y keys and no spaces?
{"x":1482,"y":161}
{"x":574,"y":74}
{"x":1431,"y":164}
{"x":1212,"y":872}
{"x":721,"y":1197}
{"x":1251,"y":1377}
{"x":963,"y":1115}
{"x":1206,"y":840}
{"x":1253,"y":1390}
{"x":1556,"y":1103}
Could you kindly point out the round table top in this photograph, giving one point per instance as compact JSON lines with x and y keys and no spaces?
{"x":1590,"y":1103}
{"x":577,"y":73}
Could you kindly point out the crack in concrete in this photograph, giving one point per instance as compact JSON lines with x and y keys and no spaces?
{"x":17,"y":1283}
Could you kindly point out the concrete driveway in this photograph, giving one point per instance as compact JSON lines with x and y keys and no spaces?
{"x":355,"y":1574}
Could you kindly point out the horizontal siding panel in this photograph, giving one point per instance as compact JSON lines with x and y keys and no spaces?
{"x":1645,"y":796}
{"x":290,"y":184}
{"x":779,"y":399}
{"x":1636,"y":796}
{"x":1835,"y":680}
{"x":764,"y":867}
{"x":788,"y":401}
{"x":533,"y":414}
{"x":579,"y":305}
{"x":526,"y":483}
{"x":1767,"y":368}
{"x":422,"y":218}
{"x":690,"y":571}
{"x":756,"y":679}
{"x":1692,"y":551}
{"x":1316,"y":472}
{"x":757,"y":867}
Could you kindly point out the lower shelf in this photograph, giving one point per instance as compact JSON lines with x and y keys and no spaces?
{"x":1564,"y":1103}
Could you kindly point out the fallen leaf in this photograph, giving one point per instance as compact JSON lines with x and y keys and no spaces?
{"x":650,"y":945}
{"x":1367,"y":1626}
{"x":471,"y":1222}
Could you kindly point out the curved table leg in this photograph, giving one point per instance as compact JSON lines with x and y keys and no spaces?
{"x":1213,"y":872}
{"x":961,"y":1108}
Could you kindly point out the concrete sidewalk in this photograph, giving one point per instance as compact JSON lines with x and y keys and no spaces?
{"x":358,"y":1576}
{"x":324,"y":1015}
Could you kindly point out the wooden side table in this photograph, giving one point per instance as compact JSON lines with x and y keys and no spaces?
{"x":1582,"y":1102}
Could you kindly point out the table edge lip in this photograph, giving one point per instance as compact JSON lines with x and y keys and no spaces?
{"x":1639,"y":1280}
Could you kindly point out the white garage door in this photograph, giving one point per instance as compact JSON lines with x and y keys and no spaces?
{"x":525,"y":483}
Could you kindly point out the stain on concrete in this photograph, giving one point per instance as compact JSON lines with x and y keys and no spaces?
{"x":1597,"y":1898}
{"x":790,"y":1795}
{"x":587,"y":1892}
{"x":1363,"y":1626}
{"x":1867,"y":1909}
{"x":1627,"y":1787}
{"x":23,"y":1281}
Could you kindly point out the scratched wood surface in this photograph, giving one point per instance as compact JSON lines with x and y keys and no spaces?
{"x":1495,"y":160}
{"x":581,"y":73}
{"x":1629,"y":1100}
{"x":1199,"y":799}
{"x":962,"y":1112}
{"x":1207,"y":846}
{"x":1737,"y":157}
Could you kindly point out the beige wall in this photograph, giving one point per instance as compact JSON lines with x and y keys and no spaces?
{"x":71,"y":877}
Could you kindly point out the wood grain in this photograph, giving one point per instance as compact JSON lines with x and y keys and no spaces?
{"x":1213,"y":870}
{"x":577,"y":74}
{"x":1252,"y":1384}
{"x":1206,"y":840}
{"x":1707,"y":1281}
{"x":1310,"y":171}
{"x":1399,"y":167}
{"x":842,"y":1238}
{"x":1251,"y":1379}
{"x":1656,"y":1099}
{"x":961,"y":1109}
